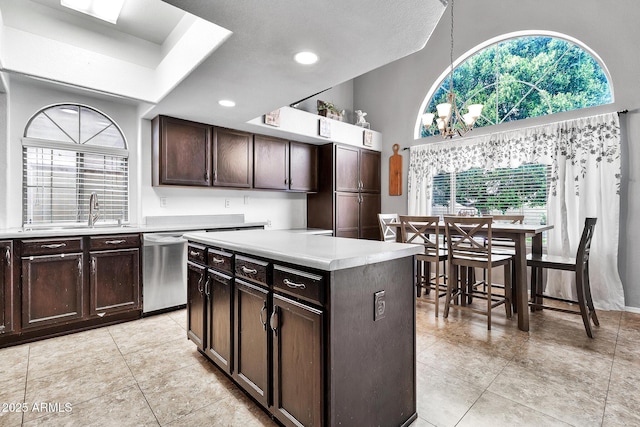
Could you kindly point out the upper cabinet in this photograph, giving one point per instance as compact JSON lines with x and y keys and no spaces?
{"x":181,"y":152}
{"x":283,"y":165}
{"x":232,"y":158}
{"x":357,"y":169}
{"x":194,"y":154}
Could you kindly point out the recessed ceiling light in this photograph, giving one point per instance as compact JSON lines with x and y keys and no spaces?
{"x":107,"y":10}
{"x":227,"y":103}
{"x":306,"y":58}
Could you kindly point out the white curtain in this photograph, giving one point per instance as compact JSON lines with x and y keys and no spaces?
{"x":584,"y":155}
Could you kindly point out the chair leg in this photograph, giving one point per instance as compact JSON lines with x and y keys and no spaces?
{"x":587,"y":292}
{"x":436,"y":294}
{"x":489,"y":300}
{"x":508,"y":286}
{"x":584,"y":311}
{"x":426,"y":278}
{"x":453,"y":281}
{"x":419,"y":278}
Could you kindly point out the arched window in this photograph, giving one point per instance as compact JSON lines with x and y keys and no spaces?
{"x":70,"y":151}
{"x":523,"y":77}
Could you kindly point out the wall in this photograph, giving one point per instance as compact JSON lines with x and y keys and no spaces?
{"x":392,"y":94}
{"x":27,"y":96}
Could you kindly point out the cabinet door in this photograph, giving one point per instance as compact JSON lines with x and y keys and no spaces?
{"x":370,"y":171}
{"x":347,"y":169}
{"x":51,"y":289}
{"x":347,"y":215}
{"x":232,"y":158}
{"x":182,"y":152}
{"x":251,"y":340}
{"x":303,"y":167}
{"x":298,"y":389}
{"x":6,"y":287}
{"x":218,"y":289}
{"x":369,"y":210}
{"x":196,"y":278}
{"x":115,"y":281}
{"x":270,"y":163}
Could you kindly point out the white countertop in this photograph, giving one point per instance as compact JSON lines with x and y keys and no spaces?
{"x":308,"y":250}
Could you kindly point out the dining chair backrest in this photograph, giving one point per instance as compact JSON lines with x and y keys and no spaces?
{"x":511,"y":219}
{"x":584,"y":247}
{"x":468,"y":235}
{"x":387,"y":233}
{"x":424,"y":230}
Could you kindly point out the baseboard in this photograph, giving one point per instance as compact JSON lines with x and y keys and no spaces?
{"x":632,"y":309}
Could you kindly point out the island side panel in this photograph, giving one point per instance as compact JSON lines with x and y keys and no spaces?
{"x":371,"y":375}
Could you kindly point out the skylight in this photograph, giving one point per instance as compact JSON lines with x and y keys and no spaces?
{"x":107,"y":10}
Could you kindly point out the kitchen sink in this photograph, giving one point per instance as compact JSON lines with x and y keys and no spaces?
{"x":75,"y":227}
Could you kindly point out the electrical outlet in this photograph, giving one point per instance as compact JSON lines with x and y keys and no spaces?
{"x":227,"y":203}
{"x":246,"y":200}
{"x":268,"y":223}
{"x":163,"y":202}
{"x":379,"y":305}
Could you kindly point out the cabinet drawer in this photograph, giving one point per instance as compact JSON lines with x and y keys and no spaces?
{"x":118,"y":241}
{"x":220,"y":260}
{"x":252,"y":269}
{"x":51,"y":246}
{"x":197,"y":253}
{"x":304,"y":285}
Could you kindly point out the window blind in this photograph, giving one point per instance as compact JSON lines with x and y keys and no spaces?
{"x":57,"y":185}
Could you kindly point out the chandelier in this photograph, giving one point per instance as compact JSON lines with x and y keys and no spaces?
{"x":449,"y":121}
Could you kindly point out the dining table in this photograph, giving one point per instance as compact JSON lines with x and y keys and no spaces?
{"x":517,"y":233}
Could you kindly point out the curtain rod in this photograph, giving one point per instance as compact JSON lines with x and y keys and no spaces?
{"x":623,"y":112}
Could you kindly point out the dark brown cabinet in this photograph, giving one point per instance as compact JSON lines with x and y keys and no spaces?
{"x":251,"y":369}
{"x":52,"y":282}
{"x":232,"y":158}
{"x":271,"y":163}
{"x":196,"y":299}
{"x":219,"y":295}
{"x":114,"y":274}
{"x":298,"y":385}
{"x":348,"y":197}
{"x":181,"y":152}
{"x":303,"y":167}
{"x":6,"y":287}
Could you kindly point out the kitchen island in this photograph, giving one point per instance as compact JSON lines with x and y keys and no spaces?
{"x":318,"y":330}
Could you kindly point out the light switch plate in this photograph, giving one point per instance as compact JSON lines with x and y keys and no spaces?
{"x":379,"y":305}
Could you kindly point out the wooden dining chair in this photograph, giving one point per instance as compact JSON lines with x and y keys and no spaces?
{"x":388,"y":233}
{"x":466,"y":249}
{"x":579,"y":265}
{"x":425,"y":230}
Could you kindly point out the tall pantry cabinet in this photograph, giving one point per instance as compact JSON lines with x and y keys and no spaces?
{"x":348,"y":198}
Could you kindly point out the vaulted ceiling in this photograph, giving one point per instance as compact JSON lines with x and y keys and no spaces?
{"x":180,"y":57}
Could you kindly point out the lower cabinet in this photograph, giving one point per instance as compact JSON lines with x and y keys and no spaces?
{"x":251,"y":343}
{"x":6,"y":287}
{"x":196,"y":303}
{"x":219,"y":299}
{"x":52,"y":282}
{"x":298,"y":397}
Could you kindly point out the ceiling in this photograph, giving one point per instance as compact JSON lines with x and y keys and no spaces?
{"x":253,"y":66}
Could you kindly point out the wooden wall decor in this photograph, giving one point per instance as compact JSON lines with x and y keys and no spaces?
{"x":395,"y":172}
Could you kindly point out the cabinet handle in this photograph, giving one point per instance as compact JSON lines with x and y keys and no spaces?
{"x":263,"y":310}
{"x":93,"y":265}
{"x":273,"y":320}
{"x":294,"y":285}
{"x":217,"y":260}
{"x":215,"y":176}
{"x":53,"y":246}
{"x":207,"y":287}
{"x":206,"y":176}
{"x":115,"y":242}
{"x":7,"y":255}
{"x":200,"y":283}
{"x":79,"y":267}
{"x":247,"y":270}
{"x":194,"y":253}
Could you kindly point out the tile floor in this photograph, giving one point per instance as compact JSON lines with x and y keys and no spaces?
{"x":145,"y":373}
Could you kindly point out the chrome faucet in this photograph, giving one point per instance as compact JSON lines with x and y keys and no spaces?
{"x":94,"y":209}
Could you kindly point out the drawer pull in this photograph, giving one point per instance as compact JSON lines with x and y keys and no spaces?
{"x":115,"y":242}
{"x":7,"y":255}
{"x":207,"y":287}
{"x":194,"y":253}
{"x":80,"y":267}
{"x":93,"y":265}
{"x":294,"y":285}
{"x":200,"y":288}
{"x":247,"y":270}
{"x":273,"y":321}
{"x":53,"y":246}
{"x":217,"y":260}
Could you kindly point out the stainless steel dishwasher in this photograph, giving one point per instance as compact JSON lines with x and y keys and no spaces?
{"x":164,"y":277}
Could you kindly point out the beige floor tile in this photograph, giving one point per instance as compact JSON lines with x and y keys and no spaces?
{"x":148,"y":362}
{"x":420,"y":422}
{"x":145,"y":333}
{"x":12,"y":406}
{"x":623,"y":399}
{"x":13,"y":369}
{"x":492,"y":410}
{"x":80,"y":384}
{"x":180,"y":317}
{"x":230,"y":412}
{"x":443,"y":399}
{"x":126,"y":407}
{"x":182,"y":391}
